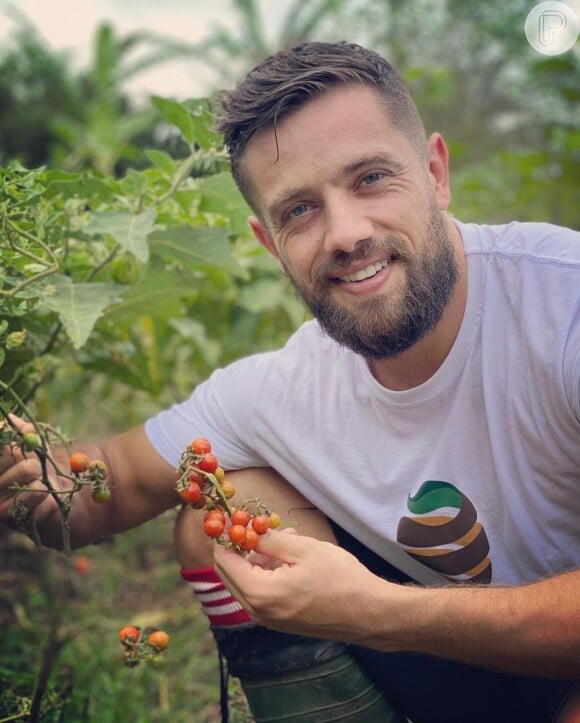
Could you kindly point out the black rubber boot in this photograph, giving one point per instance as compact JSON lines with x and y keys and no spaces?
{"x":295,"y":679}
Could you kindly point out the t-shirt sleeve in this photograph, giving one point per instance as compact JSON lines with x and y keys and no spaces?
{"x":220,"y":409}
{"x":572,"y":364}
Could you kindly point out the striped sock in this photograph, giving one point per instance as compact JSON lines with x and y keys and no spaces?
{"x":222,"y":610}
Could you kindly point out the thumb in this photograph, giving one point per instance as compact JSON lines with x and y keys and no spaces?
{"x":285,"y":545}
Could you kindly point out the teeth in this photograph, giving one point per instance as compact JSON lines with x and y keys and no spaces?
{"x":365,"y":273}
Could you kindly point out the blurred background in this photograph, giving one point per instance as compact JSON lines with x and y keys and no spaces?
{"x":98,"y":101}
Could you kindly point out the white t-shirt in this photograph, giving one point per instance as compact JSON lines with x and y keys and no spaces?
{"x":476,"y":472}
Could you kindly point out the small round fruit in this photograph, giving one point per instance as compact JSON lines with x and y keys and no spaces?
{"x":124,"y":269}
{"x":252,"y":539}
{"x":215,"y":514}
{"x":101,"y":495}
{"x":213,"y":527}
{"x":30,"y":441}
{"x":219,"y":473}
{"x":81,"y":564}
{"x":194,"y":476}
{"x":208,"y":463}
{"x":274,"y":520}
{"x":237,"y":534}
{"x":158,"y":639}
{"x":129,"y":634}
{"x":78,"y":462}
{"x":227,"y":489}
{"x":240,"y":517}
{"x":261,"y":524}
{"x":200,"y":445}
{"x":191,"y":493}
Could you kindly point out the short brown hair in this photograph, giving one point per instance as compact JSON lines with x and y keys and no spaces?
{"x":288,"y":79}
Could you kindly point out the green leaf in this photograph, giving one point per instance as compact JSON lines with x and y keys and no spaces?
{"x":159,"y":290}
{"x":194,"y":246}
{"x":202,"y":120}
{"x":162,"y":160}
{"x":176,"y":114}
{"x":220,"y":195}
{"x":130,"y":230}
{"x":265,"y":294}
{"x":78,"y":305}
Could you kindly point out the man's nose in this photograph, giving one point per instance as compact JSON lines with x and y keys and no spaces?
{"x":345,"y":226}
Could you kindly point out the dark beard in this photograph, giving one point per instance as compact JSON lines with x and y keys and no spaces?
{"x":375,"y":330}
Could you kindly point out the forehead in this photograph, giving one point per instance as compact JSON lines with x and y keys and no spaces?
{"x":328,"y":133}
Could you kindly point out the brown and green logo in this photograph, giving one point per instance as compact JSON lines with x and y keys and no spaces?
{"x":443,"y":533}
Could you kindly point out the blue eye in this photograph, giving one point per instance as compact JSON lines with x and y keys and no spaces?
{"x":371,"y":178}
{"x":299,"y":210}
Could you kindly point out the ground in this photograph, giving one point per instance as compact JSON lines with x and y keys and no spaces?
{"x":60,"y":615}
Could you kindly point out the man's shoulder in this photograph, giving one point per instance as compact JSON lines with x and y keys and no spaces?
{"x":543,"y":242}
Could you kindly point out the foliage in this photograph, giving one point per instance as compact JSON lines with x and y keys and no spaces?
{"x":60,"y":617}
{"x":148,"y":278}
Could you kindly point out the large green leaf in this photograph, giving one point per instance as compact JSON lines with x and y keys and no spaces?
{"x":220,"y":195}
{"x":159,"y":292}
{"x":130,"y":230}
{"x":78,"y":305}
{"x":176,"y":114}
{"x":265,"y":294}
{"x":195,"y":246}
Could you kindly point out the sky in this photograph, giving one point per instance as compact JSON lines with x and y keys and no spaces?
{"x":70,"y":25}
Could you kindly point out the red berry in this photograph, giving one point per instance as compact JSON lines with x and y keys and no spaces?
{"x":237,"y":534}
{"x":191,"y":493}
{"x":158,"y":639}
{"x":213,"y":527}
{"x":252,"y":539}
{"x":78,"y":462}
{"x":208,"y":463}
{"x":215,"y":515}
{"x":129,"y":633}
{"x":200,"y":445}
{"x":261,"y":524}
{"x":240,"y":517}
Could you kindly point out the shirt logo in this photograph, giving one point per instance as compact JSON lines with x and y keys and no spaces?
{"x":443,"y":533}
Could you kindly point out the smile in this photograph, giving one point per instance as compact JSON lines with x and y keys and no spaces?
{"x":365,"y":273}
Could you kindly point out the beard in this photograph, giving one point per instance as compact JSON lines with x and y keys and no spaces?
{"x":381,"y":327}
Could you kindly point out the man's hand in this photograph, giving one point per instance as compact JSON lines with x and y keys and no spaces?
{"x":297,"y":584}
{"x":18,"y":467}
{"x":320,"y":590}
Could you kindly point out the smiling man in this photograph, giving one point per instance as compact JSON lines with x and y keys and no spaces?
{"x":430,"y":412}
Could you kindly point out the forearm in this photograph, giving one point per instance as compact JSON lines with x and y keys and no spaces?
{"x":531,"y":629}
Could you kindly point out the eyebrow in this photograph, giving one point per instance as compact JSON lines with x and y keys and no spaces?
{"x":388,"y":160}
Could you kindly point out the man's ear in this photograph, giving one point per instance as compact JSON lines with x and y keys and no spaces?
{"x":438,"y":167}
{"x":264,"y":238}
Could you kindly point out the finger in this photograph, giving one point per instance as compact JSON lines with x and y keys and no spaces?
{"x":286,"y":546}
{"x":234,"y":570}
{"x":11,"y":454}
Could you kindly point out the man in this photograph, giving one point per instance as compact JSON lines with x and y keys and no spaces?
{"x":431,"y":412}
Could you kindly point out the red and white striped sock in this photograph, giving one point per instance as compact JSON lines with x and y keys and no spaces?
{"x":217,"y":603}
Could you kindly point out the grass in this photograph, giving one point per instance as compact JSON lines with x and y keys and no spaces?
{"x":58,"y":634}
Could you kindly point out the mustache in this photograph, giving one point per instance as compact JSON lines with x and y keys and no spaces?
{"x":389,"y":247}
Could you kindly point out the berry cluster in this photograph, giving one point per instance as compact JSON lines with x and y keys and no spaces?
{"x":147,"y":644}
{"x":202,"y":485}
{"x":90,"y":472}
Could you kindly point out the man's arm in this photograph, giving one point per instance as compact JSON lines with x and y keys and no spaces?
{"x":323,"y":591}
{"x":142,"y":486}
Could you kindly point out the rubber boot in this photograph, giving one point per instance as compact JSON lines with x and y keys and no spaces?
{"x":294,"y":679}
